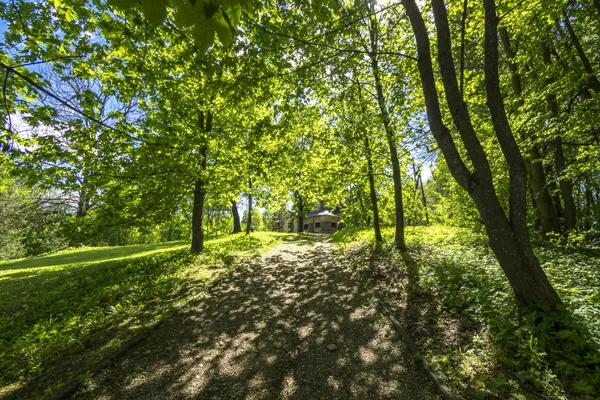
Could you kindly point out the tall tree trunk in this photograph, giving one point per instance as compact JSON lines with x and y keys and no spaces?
{"x":545,"y":209}
{"x":424,"y":200}
{"x":249,"y":221}
{"x":587,"y":65}
{"x":378,"y":238}
{"x":509,"y":238}
{"x":565,"y":184}
{"x":389,"y":133}
{"x":83,"y":202}
{"x":237,"y":226}
{"x":200,"y":186}
{"x":300,"y":209}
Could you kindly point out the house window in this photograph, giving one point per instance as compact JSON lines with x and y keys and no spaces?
{"x":334,"y":225}
{"x":318,"y":225}
{"x":305,"y":226}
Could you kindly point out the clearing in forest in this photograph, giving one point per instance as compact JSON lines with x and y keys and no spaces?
{"x":291,"y":324}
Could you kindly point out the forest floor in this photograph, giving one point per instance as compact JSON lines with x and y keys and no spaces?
{"x":293,"y":323}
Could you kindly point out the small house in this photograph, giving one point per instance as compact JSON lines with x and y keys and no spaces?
{"x":321,"y":221}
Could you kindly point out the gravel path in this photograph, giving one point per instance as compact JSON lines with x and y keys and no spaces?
{"x":291,"y":325}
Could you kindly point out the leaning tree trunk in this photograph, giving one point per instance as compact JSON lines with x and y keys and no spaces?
{"x":237,"y":226}
{"x":249,"y":220}
{"x":389,"y":133}
{"x":509,"y":238}
{"x":378,"y":238}
{"x":200,"y":187}
{"x":593,"y":80}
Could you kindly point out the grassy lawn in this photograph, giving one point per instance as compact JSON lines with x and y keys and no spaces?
{"x":457,"y":304}
{"x":62,"y":313}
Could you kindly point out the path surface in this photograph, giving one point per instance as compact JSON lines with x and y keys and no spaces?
{"x":292,"y":325}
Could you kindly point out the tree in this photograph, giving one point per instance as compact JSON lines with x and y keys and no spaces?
{"x":509,"y":237}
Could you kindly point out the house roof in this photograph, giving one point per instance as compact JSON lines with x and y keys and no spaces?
{"x":318,"y":213}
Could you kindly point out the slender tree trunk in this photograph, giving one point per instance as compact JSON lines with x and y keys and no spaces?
{"x":83,"y":202}
{"x":200,"y":187}
{"x":424,"y":200}
{"x":396,"y":174}
{"x":300,"y":207}
{"x":463,"y":28}
{"x":378,"y":238}
{"x":249,"y":221}
{"x":509,"y":238}
{"x":545,"y":209}
{"x":565,"y":184}
{"x":237,"y":226}
{"x":587,"y":65}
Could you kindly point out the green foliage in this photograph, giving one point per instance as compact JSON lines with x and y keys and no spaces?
{"x":207,"y":17}
{"x":29,"y":225}
{"x":82,"y":303}
{"x":502,"y":349}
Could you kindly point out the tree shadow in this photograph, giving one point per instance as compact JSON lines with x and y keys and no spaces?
{"x":447,"y":305}
{"x":295,"y":325}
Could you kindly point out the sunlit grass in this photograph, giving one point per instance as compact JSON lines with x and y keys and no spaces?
{"x":63,"y":312}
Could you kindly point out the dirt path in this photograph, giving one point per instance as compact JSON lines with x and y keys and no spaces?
{"x":291,"y":325}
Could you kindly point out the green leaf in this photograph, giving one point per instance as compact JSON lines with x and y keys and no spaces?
{"x":204,"y":36}
{"x":222,"y":29}
{"x":123,"y":4}
{"x":155,"y":11}
{"x":186,"y":14}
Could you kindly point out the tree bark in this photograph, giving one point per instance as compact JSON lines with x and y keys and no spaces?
{"x":378,"y":237}
{"x":237,"y":226}
{"x":587,"y":66}
{"x":509,"y":238}
{"x":565,"y":185}
{"x":545,"y":209}
{"x":249,"y":220}
{"x":389,"y":132}
{"x":200,"y":186}
{"x":300,"y":209}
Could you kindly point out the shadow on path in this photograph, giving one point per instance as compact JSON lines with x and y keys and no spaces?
{"x":292,"y":325}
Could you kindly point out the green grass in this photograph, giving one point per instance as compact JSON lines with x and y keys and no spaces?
{"x":466,"y":319}
{"x":62,"y":313}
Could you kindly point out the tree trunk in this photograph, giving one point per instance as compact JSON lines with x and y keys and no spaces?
{"x":587,"y":66}
{"x":424,"y":200}
{"x":200,"y":187}
{"x":237,"y":226}
{"x":565,"y":184}
{"x":509,"y":238}
{"x":300,"y":209}
{"x":249,"y":221}
{"x":545,"y":209}
{"x":378,"y":238}
{"x":389,"y":133}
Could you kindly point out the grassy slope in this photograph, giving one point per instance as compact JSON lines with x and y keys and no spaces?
{"x":61,"y":313}
{"x":456,"y":301}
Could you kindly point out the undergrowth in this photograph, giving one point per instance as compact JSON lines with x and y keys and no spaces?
{"x":57,"y":319}
{"x":456,"y":302}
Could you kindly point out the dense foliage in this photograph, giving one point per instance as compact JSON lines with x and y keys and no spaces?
{"x":143,"y":121}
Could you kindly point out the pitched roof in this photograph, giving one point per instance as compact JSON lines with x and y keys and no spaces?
{"x":317,"y":213}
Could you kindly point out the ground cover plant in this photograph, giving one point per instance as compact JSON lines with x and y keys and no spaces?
{"x":63,"y":312}
{"x":450,"y":294}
